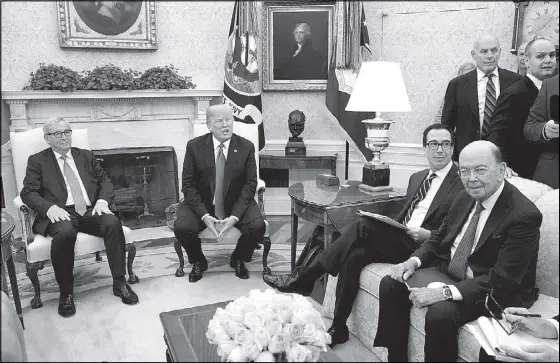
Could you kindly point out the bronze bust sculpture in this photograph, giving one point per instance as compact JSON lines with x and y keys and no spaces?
{"x":296,"y":124}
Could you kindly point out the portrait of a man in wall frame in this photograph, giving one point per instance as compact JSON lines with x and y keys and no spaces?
{"x":296,"y":45}
{"x":107,"y":24}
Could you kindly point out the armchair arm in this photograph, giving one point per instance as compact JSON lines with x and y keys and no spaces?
{"x":27,"y":225}
{"x":261,"y":187}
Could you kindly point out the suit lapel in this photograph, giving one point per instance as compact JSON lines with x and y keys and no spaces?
{"x":230,"y":162}
{"x":417,"y":183}
{"x":51,"y":158}
{"x":500,"y":211}
{"x":444,"y":189}
{"x":462,"y":219}
{"x":471,"y":89}
{"x":210,"y":161}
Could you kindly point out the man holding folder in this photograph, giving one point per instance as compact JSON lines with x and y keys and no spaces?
{"x":429,"y":196}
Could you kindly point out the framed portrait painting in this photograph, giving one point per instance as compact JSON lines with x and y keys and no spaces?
{"x":107,"y":24}
{"x":297,"y":44}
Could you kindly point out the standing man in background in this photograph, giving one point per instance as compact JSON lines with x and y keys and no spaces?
{"x":470,"y":99}
{"x":521,"y":66}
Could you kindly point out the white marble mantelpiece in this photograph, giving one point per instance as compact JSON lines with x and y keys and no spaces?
{"x":114,"y":119}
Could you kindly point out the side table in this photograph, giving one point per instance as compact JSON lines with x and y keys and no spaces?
{"x":275,"y":167}
{"x":8,"y":226}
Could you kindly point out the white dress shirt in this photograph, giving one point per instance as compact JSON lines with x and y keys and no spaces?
{"x":481,"y":88}
{"x":419,"y":213}
{"x":72,"y":164}
{"x":297,"y":50}
{"x":537,"y":82}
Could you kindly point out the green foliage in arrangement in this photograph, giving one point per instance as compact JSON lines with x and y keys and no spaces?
{"x":107,"y":77}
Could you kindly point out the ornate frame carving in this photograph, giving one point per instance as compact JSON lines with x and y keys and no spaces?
{"x":138,"y":31}
{"x":271,"y":7}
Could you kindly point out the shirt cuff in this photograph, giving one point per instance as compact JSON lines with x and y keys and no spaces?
{"x":556,"y":325}
{"x":418,"y":262}
{"x":103,"y":201}
{"x":236,"y":219}
{"x":204,"y":216}
{"x":455,"y":292}
{"x":544,"y":134}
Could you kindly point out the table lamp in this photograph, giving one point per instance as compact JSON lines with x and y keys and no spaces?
{"x":378,"y":88}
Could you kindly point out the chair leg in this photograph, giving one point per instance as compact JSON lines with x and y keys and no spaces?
{"x":98,"y":257}
{"x":179,"y":250}
{"x":131,"y":249}
{"x":267,"y":244}
{"x":32,"y":269}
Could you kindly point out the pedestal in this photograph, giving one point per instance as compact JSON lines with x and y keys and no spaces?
{"x":376,"y":175}
{"x":295,"y":146}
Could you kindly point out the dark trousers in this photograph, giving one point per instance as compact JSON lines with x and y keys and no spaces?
{"x":442,"y":324}
{"x":64,"y":234}
{"x":188,"y":226}
{"x":361,"y":243}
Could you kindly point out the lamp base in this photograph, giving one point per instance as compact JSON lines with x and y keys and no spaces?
{"x":376,"y":175}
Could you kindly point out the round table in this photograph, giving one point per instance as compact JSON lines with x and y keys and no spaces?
{"x":8,"y":226}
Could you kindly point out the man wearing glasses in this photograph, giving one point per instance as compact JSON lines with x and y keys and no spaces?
{"x":71,"y":193}
{"x":429,"y":196}
{"x":488,"y":242}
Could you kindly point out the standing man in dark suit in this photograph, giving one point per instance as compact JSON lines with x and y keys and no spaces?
{"x":488,"y":243}
{"x":470,"y":99}
{"x":512,"y":109}
{"x":428,"y":198}
{"x":219,"y":183}
{"x":541,"y":127}
{"x":71,"y":193}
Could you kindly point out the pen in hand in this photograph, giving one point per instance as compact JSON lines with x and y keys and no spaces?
{"x":526,"y":315}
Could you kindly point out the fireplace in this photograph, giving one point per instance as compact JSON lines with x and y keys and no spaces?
{"x":145,"y":181}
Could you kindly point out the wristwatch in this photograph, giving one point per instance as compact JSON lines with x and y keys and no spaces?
{"x":447,"y":294}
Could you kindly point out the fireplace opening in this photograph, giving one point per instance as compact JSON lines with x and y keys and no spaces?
{"x":145,"y":181}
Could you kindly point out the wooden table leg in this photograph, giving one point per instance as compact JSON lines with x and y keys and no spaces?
{"x":294,"y":235}
{"x":15,"y":291}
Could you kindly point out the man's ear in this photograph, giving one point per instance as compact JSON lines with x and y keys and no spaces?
{"x":472,"y":54}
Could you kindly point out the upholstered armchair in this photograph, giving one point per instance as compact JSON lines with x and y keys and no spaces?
{"x":251,"y":133}
{"x":37,"y":246}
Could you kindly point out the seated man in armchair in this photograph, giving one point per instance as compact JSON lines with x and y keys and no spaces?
{"x":71,"y":193}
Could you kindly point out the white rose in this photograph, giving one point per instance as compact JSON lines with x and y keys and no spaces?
{"x":273,"y":324}
{"x":278,"y":343}
{"x":224,"y":349}
{"x":217,"y":335}
{"x":252,"y":321}
{"x":314,"y":354}
{"x":320,"y":340}
{"x":237,"y":355}
{"x":265,"y":356}
{"x":302,"y":301}
{"x":244,"y":336}
{"x":284,"y":311}
{"x":262,"y":337}
{"x":251,"y":349}
{"x":297,"y":353}
{"x":308,"y":332}
{"x":295,"y":330}
{"x":308,"y":316}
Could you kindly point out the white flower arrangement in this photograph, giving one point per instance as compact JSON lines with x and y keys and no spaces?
{"x":268,"y":327}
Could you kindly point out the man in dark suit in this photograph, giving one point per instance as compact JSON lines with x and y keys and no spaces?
{"x":219,"y":183}
{"x":512,"y":109}
{"x":429,"y":196}
{"x":304,"y":62}
{"x":541,"y":127}
{"x":71,"y":193}
{"x":488,"y":243}
{"x":470,"y":99}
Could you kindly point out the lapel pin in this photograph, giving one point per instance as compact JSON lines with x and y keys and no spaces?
{"x":234,"y":150}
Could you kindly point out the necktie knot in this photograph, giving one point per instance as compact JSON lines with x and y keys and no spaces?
{"x":221,"y":147}
{"x":479,"y":208}
{"x":432,"y":176}
{"x":490,"y":76}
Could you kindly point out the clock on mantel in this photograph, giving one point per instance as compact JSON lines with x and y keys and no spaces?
{"x":535,"y":19}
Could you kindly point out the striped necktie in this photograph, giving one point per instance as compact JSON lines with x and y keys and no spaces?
{"x":219,"y":190}
{"x":75,"y":189}
{"x":458,"y":265}
{"x":489,"y":106}
{"x":420,"y":195}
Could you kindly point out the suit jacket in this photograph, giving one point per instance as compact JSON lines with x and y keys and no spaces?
{"x":460,"y":109}
{"x":199,"y":174}
{"x":547,"y":167}
{"x":507,"y":123}
{"x":309,"y":63}
{"x":44,"y":184}
{"x":505,"y":256}
{"x":442,"y":200}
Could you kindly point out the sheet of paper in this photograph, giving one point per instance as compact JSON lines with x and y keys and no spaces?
{"x":383,"y":219}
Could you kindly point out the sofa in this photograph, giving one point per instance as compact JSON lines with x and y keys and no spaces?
{"x":363,"y":320}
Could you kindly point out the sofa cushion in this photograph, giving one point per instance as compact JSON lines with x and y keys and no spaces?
{"x":40,"y":248}
{"x":547,"y":265}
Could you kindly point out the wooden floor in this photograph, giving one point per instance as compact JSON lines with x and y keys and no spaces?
{"x":104,"y":329}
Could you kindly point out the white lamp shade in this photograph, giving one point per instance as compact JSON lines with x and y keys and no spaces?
{"x":379,"y":88}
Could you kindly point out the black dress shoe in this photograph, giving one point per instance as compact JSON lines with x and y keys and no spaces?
{"x":339,"y":335}
{"x":66,"y":307}
{"x":240,"y":270}
{"x":196,"y":272}
{"x":126,"y":294}
{"x":290,"y":283}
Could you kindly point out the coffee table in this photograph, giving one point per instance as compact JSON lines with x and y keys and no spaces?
{"x":184,"y":332}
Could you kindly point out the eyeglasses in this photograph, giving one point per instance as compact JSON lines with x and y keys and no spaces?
{"x":478,"y":172}
{"x":434,"y":145}
{"x":59,"y":134}
{"x":510,"y":328}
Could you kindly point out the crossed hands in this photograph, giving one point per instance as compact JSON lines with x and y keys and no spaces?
{"x":219,"y":227}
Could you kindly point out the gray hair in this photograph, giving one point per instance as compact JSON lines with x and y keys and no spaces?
{"x":305,"y":27}
{"x":51,"y":122}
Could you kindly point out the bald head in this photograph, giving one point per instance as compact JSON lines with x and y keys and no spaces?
{"x":482,"y":169}
{"x":486,"y":52}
